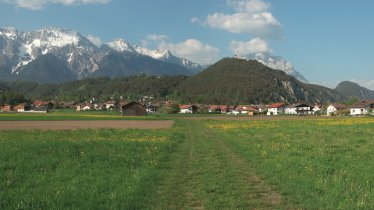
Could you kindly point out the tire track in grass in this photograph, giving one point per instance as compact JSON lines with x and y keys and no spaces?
{"x":208,"y":174}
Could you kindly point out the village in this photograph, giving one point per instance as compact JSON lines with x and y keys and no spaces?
{"x":144,"y":107}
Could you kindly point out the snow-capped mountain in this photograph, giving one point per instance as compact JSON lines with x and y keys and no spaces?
{"x":276,"y":62}
{"x":23,"y":55}
{"x":121,"y":45}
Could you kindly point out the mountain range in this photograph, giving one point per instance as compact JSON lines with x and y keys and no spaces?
{"x":229,"y":81}
{"x":53,"y":55}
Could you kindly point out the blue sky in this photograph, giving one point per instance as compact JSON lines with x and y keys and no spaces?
{"x":327,"y":41}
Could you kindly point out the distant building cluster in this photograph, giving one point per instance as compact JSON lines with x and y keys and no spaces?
{"x":132,"y":108}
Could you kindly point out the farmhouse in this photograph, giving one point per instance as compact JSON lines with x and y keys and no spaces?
{"x":188,"y":109}
{"x":7,"y":108}
{"x":85,"y":107}
{"x":317,"y":108}
{"x":304,"y":109}
{"x":362,"y":108}
{"x":246,"y":110}
{"x":151,"y":108}
{"x":333,"y":109}
{"x":22,"y":107}
{"x":111,"y":105}
{"x":219,"y":109}
{"x":133,"y":109}
{"x":276,"y":109}
{"x":290,"y":110}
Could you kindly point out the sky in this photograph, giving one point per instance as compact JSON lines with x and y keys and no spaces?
{"x":326,"y":41}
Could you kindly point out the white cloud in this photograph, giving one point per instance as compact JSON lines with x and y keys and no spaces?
{"x":40,"y":4}
{"x":249,"y":6}
{"x":251,"y":17}
{"x":190,"y":49}
{"x":252,"y":46}
{"x":153,"y":38}
{"x":95,"y":40}
{"x":193,"y":50}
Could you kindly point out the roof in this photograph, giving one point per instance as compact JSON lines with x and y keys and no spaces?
{"x":185,"y":106}
{"x":339,"y":106}
{"x":302,"y":105}
{"x":245,"y":108}
{"x":276,"y":105}
{"x":131,"y":104}
{"x":111,"y":102}
{"x":363,"y":104}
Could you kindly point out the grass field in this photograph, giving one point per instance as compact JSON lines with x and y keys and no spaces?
{"x":306,"y":163}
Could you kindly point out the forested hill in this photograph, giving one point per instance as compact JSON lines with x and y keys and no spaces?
{"x":102,"y":88}
{"x":238,"y":81}
{"x":351,"y":89}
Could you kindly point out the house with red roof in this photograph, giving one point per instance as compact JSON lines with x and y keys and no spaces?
{"x":245,"y":109}
{"x":276,"y":109}
{"x":187,"y":109}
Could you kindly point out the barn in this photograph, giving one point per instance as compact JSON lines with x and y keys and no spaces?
{"x":133,"y":109}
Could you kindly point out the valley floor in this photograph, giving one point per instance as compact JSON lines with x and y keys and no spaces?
{"x":302,"y":163}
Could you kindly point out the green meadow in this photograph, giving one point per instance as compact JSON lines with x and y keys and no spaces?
{"x":253,"y":163}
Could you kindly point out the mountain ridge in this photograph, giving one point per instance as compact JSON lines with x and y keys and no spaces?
{"x":276,"y":62}
{"x":240,"y":81}
{"x":351,"y":89}
{"x":80,"y":56}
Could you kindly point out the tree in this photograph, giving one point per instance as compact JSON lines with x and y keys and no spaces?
{"x":175,"y":108}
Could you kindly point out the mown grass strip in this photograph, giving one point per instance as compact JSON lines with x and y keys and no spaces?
{"x":208,"y":175}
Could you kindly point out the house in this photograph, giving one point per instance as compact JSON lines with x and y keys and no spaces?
{"x":111,"y":105}
{"x":246,"y":110}
{"x":317,"y":108}
{"x":22,"y":107}
{"x":276,"y":109}
{"x":290,"y":110}
{"x":304,"y":109}
{"x":7,"y":108}
{"x":85,"y":107}
{"x":43,"y":105}
{"x":69,"y":105}
{"x":188,"y":109}
{"x":333,"y":109}
{"x":219,"y":109}
{"x":362,"y":108}
{"x":151,"y":108}
{"x":99,"y":106}
{"x":262,"y":109}
{"x":133,"y":109}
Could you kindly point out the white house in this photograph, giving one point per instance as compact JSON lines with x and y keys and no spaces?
{"x":276,"y":109}
{"x":362,"y":108}
{"x":110,"y":105}
{"x":187,"y":109}
{"x":335,"y":108}
{"x":317,"y":108}
{"x":290,"y":110}
{"x":304,"y":109}
{"x":84,"y":107}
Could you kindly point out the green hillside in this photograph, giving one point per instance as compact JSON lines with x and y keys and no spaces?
{"x":351,"y":89}
{"x":236,"y":81}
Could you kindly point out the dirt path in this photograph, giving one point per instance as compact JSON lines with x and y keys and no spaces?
{"x":74,"y":125}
